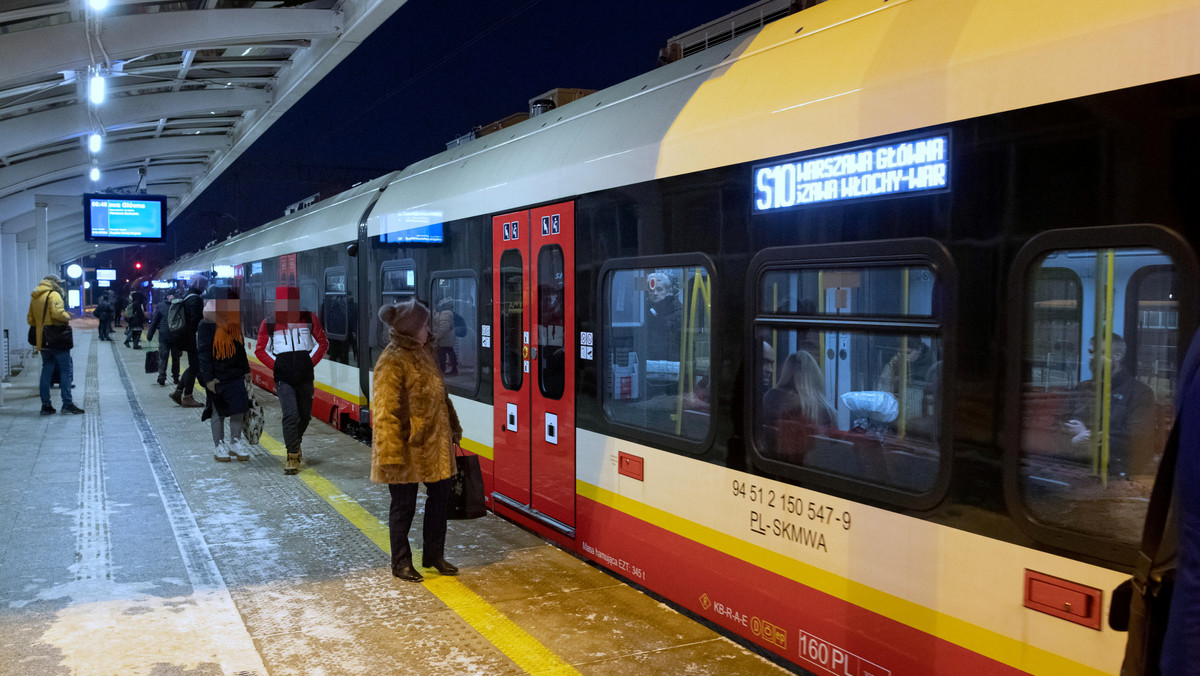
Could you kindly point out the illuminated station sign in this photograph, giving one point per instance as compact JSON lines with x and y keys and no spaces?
{"x":902,"y":168}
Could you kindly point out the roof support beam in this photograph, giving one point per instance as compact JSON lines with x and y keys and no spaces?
{"x":60,"y":166}
{"x":167,"y":177}
{"x":35,"y":53}
{"x":30,"y":131}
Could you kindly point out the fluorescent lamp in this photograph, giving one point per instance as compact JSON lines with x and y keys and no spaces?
{"x":94,"y":142}
{"x":96,"y":89}
{"x":98,"y":4}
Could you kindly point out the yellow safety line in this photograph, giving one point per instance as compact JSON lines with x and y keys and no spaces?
{"x":523,"y":649}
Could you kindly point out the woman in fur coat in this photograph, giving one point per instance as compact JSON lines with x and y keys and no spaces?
{"x":416,"y":429}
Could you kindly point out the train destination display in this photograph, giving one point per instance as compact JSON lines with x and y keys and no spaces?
{"x":126,"y":218}
{"x":903,"y":168}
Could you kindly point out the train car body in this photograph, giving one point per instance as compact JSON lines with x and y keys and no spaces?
{"x":795,"y":332}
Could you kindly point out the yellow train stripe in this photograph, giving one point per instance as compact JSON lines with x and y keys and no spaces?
{"x":516,"y":644}
{"x":476,"y":448}
{"x":946,"y":627}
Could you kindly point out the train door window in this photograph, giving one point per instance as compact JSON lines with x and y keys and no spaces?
{"x":850,"y":365}
{"x":512,"y":320}
{"x":1100,"y":354}
{"x":334,"y":304}
{"x":658,"y":349}
{"x":456,"y":327}
{"x":551,"y":322}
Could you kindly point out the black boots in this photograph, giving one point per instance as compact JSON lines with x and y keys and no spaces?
{"x":407,"y":572}
{"x":442,"y":566}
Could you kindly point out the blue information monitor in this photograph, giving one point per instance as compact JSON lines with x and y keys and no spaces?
{"x":124,"y":218}
{"x":412,"y":227}
{"x":918,"y":165}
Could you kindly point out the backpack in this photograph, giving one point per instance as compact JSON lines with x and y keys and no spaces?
{"x":176,"y":318}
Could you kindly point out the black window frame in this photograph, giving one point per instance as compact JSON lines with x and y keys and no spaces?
{"x":668,"y":442}
{"x":464,"y":273}
{"x":326,"y":293}
{"x":1132,"y":236}
{"x":942,"y":324}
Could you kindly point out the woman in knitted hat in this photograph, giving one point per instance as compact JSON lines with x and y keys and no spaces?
{"x":223,"y":368}
{"x":416,"y":430}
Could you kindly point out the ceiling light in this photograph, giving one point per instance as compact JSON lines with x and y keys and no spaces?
{"x":98,"y":4}
{"x":94,"y":174}
{"x":94,"y":142}
{"x":96,"y":89}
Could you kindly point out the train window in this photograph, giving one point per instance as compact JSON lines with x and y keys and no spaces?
{"x":848,"y":291}
{"x":658,"y":341}
{"x":859,"y":402}
{"x":512,"y":320}
{"x":551,"y":322}
{"x":1098,"y":386}
{"x":335,"y":304}
{"x":456,"y":327}
{"x":399,"y":280}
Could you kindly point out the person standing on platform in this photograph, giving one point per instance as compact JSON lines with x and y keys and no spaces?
{"x":223,"y":370}
{"x":104,"y":314}
{"x":1181,"y":644}
{"x":185,"y":340}
{"x":52,"y":335}
{"x":290,"y":344}
{"x":416,"y":429}
{"x":135,"y":313}
{"x":166,"y":349}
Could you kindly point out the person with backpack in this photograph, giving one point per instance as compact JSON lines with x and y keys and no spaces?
{"x":166,"y":349}
{"x":291,"y":344}
{"x":183,"y":323}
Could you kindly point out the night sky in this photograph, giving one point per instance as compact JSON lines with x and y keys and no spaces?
{"x":433,"y":71}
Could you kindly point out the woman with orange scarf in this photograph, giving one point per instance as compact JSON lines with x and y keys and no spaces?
{"x":223,"y":368}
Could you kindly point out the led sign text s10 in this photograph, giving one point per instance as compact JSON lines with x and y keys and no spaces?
{"x":901,"y":168}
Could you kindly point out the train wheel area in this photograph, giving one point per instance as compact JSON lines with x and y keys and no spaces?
{"x":125,"y":548}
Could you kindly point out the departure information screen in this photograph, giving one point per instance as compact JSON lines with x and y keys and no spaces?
{"x":124,"y":217}
{"x":900,"y":168}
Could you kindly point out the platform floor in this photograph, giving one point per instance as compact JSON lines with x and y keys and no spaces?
{"x":126,"y":549}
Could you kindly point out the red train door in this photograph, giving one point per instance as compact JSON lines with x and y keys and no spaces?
{"x":533,"y":275}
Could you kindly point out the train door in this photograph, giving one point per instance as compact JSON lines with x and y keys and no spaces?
{"x":533,"y":274}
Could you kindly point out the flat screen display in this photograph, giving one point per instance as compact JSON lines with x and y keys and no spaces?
{"x":124,"y":218}
{"x":107,"y":274}
{"x":415,"y":227}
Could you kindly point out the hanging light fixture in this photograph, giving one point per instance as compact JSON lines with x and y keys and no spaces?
{"x":96,"y":88}
{"x":94,"y":142}
{"x":98,"y":4}
{"x":94,"y":174}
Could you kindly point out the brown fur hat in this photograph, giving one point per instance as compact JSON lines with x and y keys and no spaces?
{"x":405,"y":318}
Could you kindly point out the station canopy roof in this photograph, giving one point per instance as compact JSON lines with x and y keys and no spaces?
{"x":190,"y":85}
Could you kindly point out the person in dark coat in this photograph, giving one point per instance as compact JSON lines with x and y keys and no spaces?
{"x":223,"y":369}
{"x":104,"y":313}
{"x":136,"y":315}
{"x":193,"y":305}
{"x":1181,"y":644}
{"x":166,"y":348}
{"x":416,"y":430}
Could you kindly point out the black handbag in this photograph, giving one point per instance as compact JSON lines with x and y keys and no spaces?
{"x":54,"y":336}
{"x":466,"y":498}
{"x":1142,"y":604}
{"x":152,"y":361}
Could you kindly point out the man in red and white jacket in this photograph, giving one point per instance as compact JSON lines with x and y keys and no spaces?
{"x":290,"y":344}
